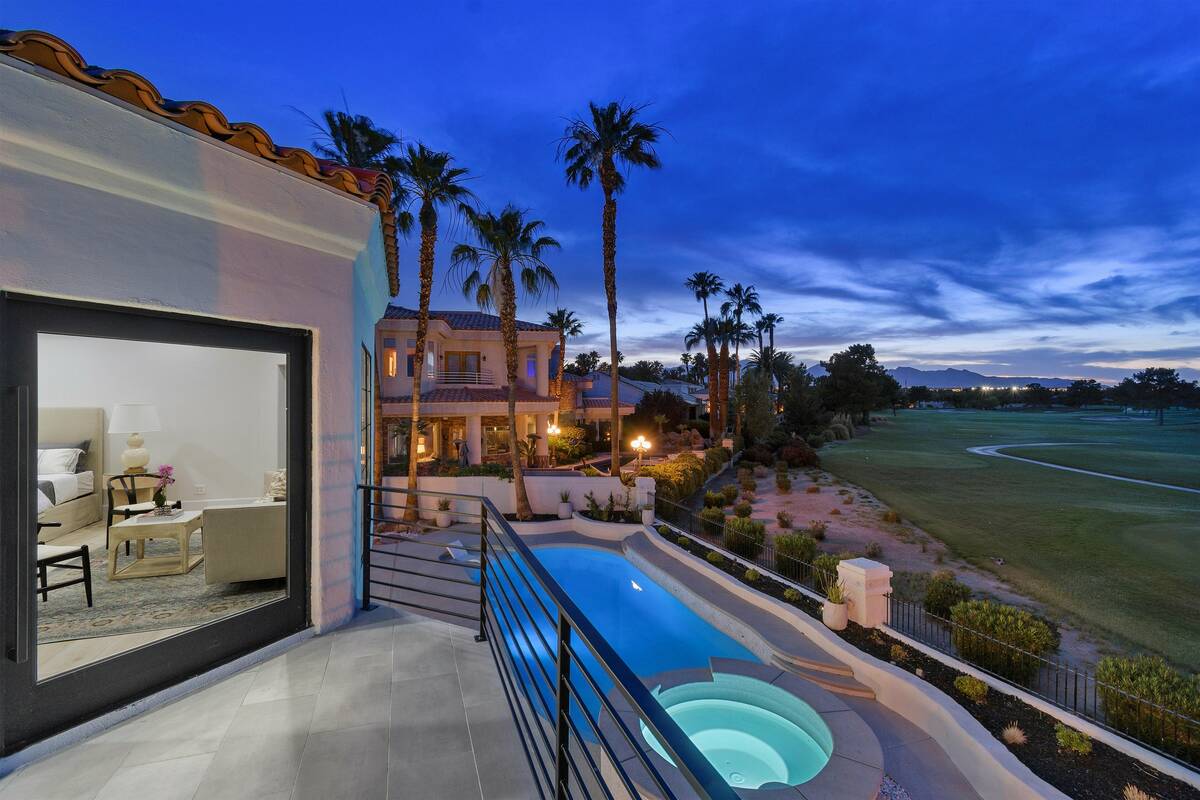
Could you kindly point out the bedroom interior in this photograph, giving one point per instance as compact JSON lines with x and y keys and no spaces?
{"x":215,"y":418}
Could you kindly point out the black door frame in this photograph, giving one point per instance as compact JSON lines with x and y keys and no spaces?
{"x":29,"y":710}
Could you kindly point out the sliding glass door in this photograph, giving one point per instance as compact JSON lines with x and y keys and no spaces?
{"x":154,"y":503}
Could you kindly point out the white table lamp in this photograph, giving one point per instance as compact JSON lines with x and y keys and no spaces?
{"x":134,"y":419}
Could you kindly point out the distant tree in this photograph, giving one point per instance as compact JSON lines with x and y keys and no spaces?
{"x":1037,"y":395}
{"x":742,"y":300}
{"x":645,"y":417}
{"x":1083,"y":393}
{"x":775,"y":364}
{"x":854,"y":382}
{"x":643,"y":370}
{"x":752,"y":400}
{"x":605,"y":367}
{"x":585,"y":363}
{"x":686,"y":360}
{"x":1125,"y":394}
{"x":891,"y":392}
{"x":1159,"y":388}
{"x":568,"y":326}
{"x":704,"y":285}
{"x":918,"y":394}
{"x":802,"y":412}
{"x":699,"y":367}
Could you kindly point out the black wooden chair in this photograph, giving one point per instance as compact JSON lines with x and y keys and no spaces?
{"x":125,"y":499}
{"x":49,"y":555}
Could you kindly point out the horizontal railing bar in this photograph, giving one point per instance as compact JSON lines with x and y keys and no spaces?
{"x":448,"y":579}
{"x":457,"y":597}
{"x":409,"y":604}
{"x":426,"y":559}
{"x":439,"y":545}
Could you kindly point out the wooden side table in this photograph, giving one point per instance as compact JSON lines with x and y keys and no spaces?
{"x":179,"y":528}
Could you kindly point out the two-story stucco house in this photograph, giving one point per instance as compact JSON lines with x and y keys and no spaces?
{"x":464,"y":387}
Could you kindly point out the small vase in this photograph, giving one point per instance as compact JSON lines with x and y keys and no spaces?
{"x":564,"y":510}
{"x":834,"y":615}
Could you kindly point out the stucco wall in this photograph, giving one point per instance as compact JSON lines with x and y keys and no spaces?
{"x":542,"y":490}
{"x":100,"y":202}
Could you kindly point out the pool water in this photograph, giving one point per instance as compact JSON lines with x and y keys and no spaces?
{"x":752,"y":732}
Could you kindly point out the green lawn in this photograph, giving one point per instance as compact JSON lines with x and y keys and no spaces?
{"x":1123,"y":559}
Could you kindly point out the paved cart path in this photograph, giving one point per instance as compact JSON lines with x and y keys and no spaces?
{"x":994,"y":451}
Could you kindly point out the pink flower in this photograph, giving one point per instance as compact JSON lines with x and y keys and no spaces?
{"x":166,"y":476}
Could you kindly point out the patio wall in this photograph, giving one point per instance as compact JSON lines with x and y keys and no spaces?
{"x":543,"y":491}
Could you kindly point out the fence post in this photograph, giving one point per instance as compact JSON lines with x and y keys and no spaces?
{"x":483,"y":559}
{"x":561,"y":729}
{"x":366,"y":548}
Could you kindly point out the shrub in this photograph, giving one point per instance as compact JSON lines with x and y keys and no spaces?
{"x":730,"y":493}
{"x":503,"y":471}
{"x":745,"y":536}
{"x":944,"y":592}
{"x":847,"y":500}
{"x":1006,"y":624}
{"x":744,"y":473}
{"x":715,"y":458}
{"x":792,"y":595}
{"x":758,"y":454}
{"x":828,"y":435}
{"x":839,"y":431}
{"x":714,"y":557}
{"x":714,"y":499}
{"x":751,"y":576}
{"x":1013,"y":735}
{"x":784,"y":519}
{"x":816,"y":441}
{"x":1152,"y":679}
{"x":794,"y":552}
{"x":761,"y":472}
{"x":683,"y":541}
{"x":713,"y":520}
{"x":743,"y":509}
{"x":747,"y":484}
{"x":898,"y":654}
{"x":1134,"y":793}
{"x":781,"y":467}
{"x":590,"y":472}
{"x":891,"y":516}
{"x":799,"y":454}
{"x":749,"y":496}
{"x":817,"y":528}
{"x":570,"y":443}
{"x":783,"y":484}
{"x":812,"y":489}
{"x":663,"y":530}
{"x":1071,"y":740}
{"x":825,"y":568}
{"x":874,"y":550}
{"x":975,"y":689}
{"x":835,"y":512}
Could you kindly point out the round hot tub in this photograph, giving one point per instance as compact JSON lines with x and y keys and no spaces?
{"x":756,"y":735}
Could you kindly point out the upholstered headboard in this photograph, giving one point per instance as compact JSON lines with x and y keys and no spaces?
{"x":67,"y":425}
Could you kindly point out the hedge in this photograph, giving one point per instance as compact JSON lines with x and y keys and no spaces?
{"x":744,"y":536}
{"x":1001,"y":625}
{"x":713,"y":520}
{"x":1152,"y":679}
{"x":790,"y":550}
{"x":799,"y":454}
{"x":944,"y":592}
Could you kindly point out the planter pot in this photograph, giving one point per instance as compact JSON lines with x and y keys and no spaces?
{"x":834,"y":615}
{"x":443,"y":519}
{"x":647,"y":516}
{"x":564,"y":510}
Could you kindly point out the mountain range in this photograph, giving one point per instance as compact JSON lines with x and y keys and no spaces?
{"x":965,"y":378}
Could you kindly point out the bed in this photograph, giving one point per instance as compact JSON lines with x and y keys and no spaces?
{"x":73,"y":500}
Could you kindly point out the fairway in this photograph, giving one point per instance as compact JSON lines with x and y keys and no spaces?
{"x":1123,"y":558}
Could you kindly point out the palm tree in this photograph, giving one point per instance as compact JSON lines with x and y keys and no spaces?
{"x":741,"y":300}
{"x":660,"y":420}
{"x":704,"y":285}
{"x":568,"y":326}
{"x":686,"y":360}
{"x":704,"y":333}
{"x":760,"y":327}
{"x":772,"y":363}
{"x":728,"y":332}
{"x":427,"y":180}
{"x":611,"y":140}
{"x":506,"y":242}
{"x":769,"y":321}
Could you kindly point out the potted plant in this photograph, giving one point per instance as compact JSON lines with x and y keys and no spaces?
{"x":648,"y":514}
{"x":833,"y":612}
{"x":444,"y":518}
{"x":564,"y":504}
{"x":166,"y":476}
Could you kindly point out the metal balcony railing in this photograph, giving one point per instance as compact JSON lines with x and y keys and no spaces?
{"x":479,"y":377}
{"x":558,"y":674}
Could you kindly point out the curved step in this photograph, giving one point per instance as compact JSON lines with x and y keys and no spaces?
{"x":830,"y":682}
{"x":814,"y":661}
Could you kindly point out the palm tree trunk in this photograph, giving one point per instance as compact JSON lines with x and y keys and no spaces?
{"x":723,"y":383}
{"x":737,"y":378}
{"x":508,"y":332}
{"x":608,"y":181}
{"x":714,"y":394}
{"x":428,"y":243}
{"x":562,"y":368}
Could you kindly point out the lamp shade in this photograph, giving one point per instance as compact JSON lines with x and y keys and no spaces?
{"x":134,"y":418}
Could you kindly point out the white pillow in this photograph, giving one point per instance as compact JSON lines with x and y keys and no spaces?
{"x":58,"y":462}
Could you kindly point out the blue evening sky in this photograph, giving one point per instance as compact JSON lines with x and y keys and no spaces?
{"x":1008,"y":187}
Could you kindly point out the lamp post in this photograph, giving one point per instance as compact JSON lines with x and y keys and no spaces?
{"x":641,"y":445}
{"x":553,"y":431}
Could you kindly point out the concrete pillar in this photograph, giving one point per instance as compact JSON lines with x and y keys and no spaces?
{"x":543,"y":368}
{"x":644,"y":489}
{"x":867,"y":584}
{"x":542,"y":423}
{"x":474,"y":438}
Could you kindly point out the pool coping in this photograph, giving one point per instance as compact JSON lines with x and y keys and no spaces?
{"x":855,"y":766}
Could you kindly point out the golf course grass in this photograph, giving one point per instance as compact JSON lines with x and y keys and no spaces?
{"x":1121,"y":558}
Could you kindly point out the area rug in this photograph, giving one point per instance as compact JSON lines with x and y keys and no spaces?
{"x":144,"y":604}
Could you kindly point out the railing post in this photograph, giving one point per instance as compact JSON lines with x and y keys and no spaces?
{"x":366,"y":548}
{"x":483,"y":559}
{"x":562,"y":729}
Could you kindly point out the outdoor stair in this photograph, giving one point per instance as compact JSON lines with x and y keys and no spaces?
{"x":842,"y":683}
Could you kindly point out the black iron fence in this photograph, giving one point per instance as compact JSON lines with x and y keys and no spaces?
{"x":559,"y":676}
{"x":1067,"y":686}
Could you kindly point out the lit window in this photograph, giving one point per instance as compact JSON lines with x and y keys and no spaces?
{"x":389,"y":357}
{"x":531,"y":366}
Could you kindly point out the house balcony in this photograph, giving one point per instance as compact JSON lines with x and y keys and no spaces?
{"x":481,"y":377}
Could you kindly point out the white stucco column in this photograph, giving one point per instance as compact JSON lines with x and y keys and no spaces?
{"x":542,"y":421}
{"x":867,"y":583}
{"x":474,"y":438}
{"x":543,"y":368}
